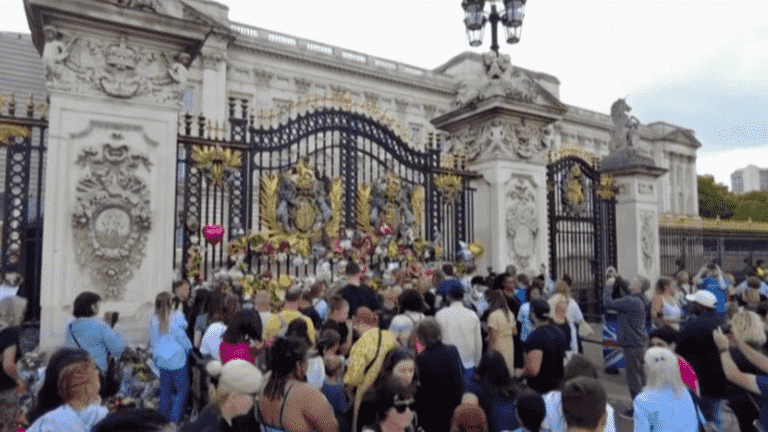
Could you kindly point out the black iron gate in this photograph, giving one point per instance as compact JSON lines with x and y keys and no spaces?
{"x":582,"y":227}
{"x":345,"y":147}
{"x":22,"y":153}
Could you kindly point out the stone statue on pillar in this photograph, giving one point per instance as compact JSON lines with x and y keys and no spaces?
{"x":624,"y":132}
{"x":637,"y":201}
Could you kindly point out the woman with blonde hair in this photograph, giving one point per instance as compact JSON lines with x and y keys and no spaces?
{"x":751,"y":296}
{"x":12,"y":311}
{"x":747,"y":326}
{"x":170,"y":348}
{"x":665,"y":308}
{"x":566,"y":313}
{"x":665,"y":404}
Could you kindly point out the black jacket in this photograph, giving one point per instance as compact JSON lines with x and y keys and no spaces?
{"x":441,"y":375}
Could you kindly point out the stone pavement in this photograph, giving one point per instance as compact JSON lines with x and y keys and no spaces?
{"x":615,"y":385}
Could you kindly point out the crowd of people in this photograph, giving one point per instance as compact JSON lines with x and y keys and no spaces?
{"x":694,"y":350}
{"x":455,"y":352}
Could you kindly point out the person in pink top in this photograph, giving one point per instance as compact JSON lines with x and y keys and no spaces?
{"x":665,"y":338}
{"x":242,"y":339}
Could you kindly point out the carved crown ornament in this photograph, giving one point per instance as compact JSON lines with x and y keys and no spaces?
{"x":112,"y":214}
{"x":116,"y":68}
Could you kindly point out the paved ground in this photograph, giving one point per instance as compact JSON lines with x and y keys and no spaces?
{"x":615,"y":386}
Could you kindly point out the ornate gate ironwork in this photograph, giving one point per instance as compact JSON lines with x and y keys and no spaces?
{"x":582,"y":227}
{"x":22,"y":150}
{"x":346,"y":144}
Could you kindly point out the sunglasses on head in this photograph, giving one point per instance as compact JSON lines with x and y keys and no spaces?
{"x":401,"y":406}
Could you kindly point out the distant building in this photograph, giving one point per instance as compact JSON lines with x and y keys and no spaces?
{"x":749,"y":179}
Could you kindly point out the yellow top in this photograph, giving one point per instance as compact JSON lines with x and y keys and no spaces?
{"x":273,"y":324}
{"x":360,"y":355}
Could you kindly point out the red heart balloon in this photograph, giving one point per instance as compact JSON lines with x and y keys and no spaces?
{"x":213,"y":234}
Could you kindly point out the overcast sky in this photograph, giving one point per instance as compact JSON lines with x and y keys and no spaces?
{"x":699,"y":64}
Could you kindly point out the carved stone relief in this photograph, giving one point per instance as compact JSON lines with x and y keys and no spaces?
{"x":112,"y":215}
{"x":520,"y":140}
{"x":521,"y":220}
{"x":647,"y":239}
{"x":212,"y":58}
{"x":115,"y":68}
{"x":262,"y":77}
{"x":372,"y":98}
{"x":429,"y":110}
{"x":402,"y":105}
{"x":339,"y":91}
{"x":156,"y":6}
{"x":531,"y":139}
{"x":645,"y":189}
{"x":501,"y":79}
{"x":623,"y":189}
{"x":302,"y":85}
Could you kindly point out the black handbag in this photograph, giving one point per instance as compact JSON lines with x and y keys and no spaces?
{"x":112,"y":378}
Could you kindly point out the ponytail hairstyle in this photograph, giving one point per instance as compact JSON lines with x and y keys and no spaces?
{"x":284,"y":354}
{"x":163,"y":310}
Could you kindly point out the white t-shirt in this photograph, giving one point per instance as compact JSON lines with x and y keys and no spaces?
{"x":212,"y":339}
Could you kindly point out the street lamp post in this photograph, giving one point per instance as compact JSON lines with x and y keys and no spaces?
{"x":511,"y":18}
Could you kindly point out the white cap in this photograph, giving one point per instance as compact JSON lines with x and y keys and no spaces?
{"x":704,"y":298}
{"x":236,"y":375}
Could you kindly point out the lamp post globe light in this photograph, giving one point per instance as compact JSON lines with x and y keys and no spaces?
{"x":511,"y":18}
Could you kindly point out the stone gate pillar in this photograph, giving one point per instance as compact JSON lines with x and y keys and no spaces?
{"x":637,"y":212}
{"x":503,"y":127}
{"x":115,"y":75}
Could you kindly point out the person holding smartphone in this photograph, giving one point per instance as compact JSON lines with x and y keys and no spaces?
{"x":91,"y":333}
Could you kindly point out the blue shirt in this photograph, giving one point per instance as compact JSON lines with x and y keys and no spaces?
{"x":95,"y":336}
{"x":713,"y":285}
{"x":520,"y":294}
{"x":66,"y":419}
{"x":321,"y":306}
{"x":524,"y":316}
{"x":170,"y":349}
{"x":664,"y":410}
{"x":762,"y":384}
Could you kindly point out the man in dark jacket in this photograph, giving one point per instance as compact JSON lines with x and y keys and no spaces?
{"x":701,"y":351}
{"x":356,"y":293}
{"x":629,"y":302}
{"x":441,"y":375}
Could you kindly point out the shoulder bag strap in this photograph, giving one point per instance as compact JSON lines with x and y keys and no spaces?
{"x":699,"y":413}
{"x":73,"y":336}
{"x":410,"y":318}
{"x":378,"y":349}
